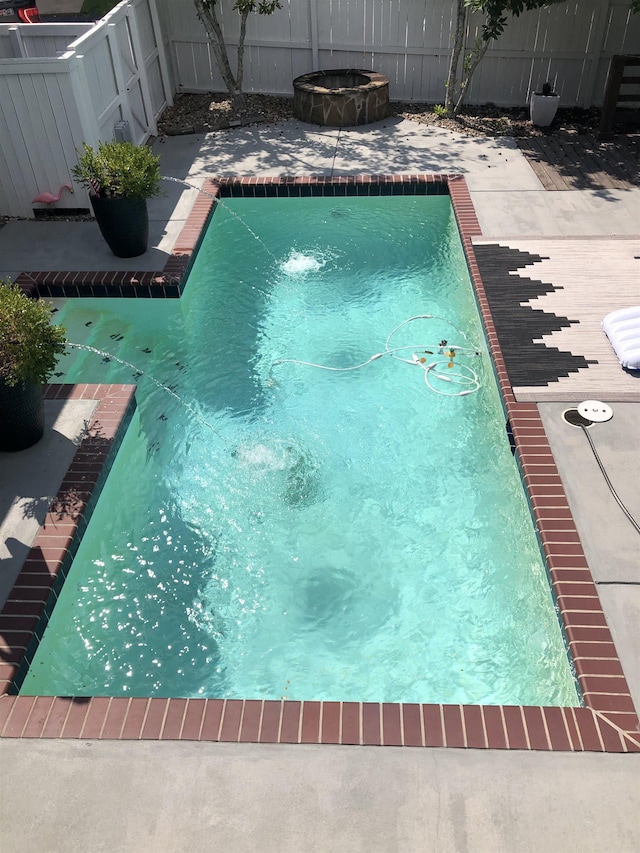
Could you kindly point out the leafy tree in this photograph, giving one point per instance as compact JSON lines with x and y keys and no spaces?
{"x":208,"y":14}
{"x":97,"y":8}
{"x":496,"y":14}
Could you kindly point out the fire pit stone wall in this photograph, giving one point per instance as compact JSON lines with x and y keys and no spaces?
{"x":342,"y":97}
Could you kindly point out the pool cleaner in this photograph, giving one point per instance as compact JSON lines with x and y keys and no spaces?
{"x":459,"y":379}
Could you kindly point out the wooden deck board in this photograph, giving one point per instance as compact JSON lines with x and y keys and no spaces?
{"x":569,"y":161}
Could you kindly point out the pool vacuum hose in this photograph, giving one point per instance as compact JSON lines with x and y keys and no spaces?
{"x":443,"y":368}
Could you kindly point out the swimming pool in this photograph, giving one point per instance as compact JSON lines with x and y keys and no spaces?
{"x":320,"y":539}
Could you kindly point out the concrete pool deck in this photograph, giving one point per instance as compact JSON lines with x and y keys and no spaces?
{"x":301,"y":797}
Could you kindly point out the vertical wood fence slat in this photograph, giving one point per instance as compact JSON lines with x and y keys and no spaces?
{"x":313,"y":29}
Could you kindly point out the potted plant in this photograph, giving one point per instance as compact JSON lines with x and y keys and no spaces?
{"x":29,"y":347}
{"x":543,"y":106}
{"x":120,"y":177}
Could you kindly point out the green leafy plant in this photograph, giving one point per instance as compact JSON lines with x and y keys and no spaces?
{"x":118,"y":170}
{"x":97,"y":8}
{"x":29,"y":343}
{"x":547,"y":90}
{"x":439,"y":110}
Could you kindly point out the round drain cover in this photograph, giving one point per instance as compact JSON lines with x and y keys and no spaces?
{"x":595,"y":411}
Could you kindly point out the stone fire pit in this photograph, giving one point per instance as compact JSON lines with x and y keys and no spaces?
{"x":342,"y":97}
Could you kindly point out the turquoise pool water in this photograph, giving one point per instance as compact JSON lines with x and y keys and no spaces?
{"x":300,"y":532}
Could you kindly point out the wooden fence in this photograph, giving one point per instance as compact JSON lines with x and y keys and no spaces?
{"x":62,"y":85}
{"x":570,"y":44}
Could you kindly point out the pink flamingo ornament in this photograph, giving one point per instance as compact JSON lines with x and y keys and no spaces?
{"x":49,"y":198}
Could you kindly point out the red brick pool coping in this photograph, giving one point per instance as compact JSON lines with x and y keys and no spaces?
{"x":608,"y":721}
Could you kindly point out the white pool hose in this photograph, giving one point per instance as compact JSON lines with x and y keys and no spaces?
{"x":462,"y":377}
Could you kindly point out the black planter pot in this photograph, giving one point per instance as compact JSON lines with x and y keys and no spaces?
{"x":21,"y":415}
{"x":124,"y":224}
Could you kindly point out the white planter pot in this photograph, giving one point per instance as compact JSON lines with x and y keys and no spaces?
{"x":543,"y":108}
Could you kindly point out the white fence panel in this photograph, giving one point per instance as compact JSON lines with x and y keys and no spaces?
{"x":570,"y":43}
{"x":7,"y":50}
{"x":37,"y":40}
{"x":117,"y":69}
{"x":50,"y":39}
{"x":131,"y":101}
{"x":153,"y":60}
{"x":120,"y":54}
{"x":622,"y":29}
{"x":39,"y":130}
{"x":99,"y":65}
{"x":49,"y":106}
{"x":275,"y":46}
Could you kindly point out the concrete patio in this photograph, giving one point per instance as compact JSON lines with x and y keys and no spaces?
{"x":66,"y":795}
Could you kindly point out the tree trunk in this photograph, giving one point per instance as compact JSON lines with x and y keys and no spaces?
{"x":478,"y":55}
{"x":458,"y":43}
{"x":243,"y":31}
{"x":210,"y":21}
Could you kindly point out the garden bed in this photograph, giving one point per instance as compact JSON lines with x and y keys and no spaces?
{"x":205,"y":113}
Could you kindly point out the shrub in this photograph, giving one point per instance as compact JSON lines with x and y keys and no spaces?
{"x":118,"y":170}
{"x":29,"y":343}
